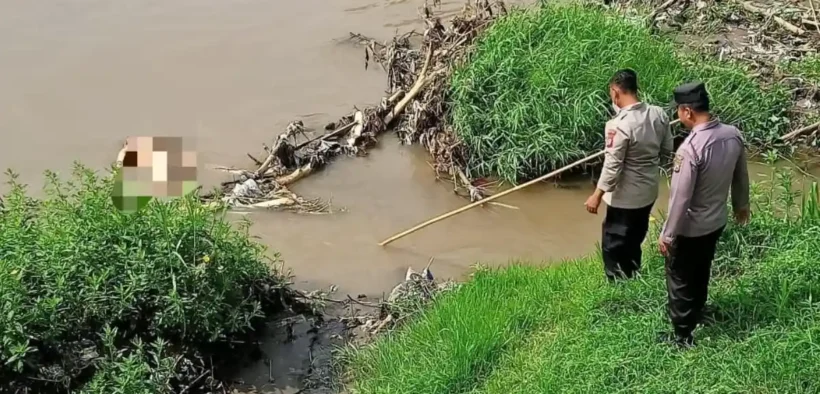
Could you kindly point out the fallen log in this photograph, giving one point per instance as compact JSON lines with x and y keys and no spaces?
{"x":800,"y":131}
{"x":421,"y":81}
{"x":275,"y":203}
{"x":358,"y":128}
{"x":296,"y":175}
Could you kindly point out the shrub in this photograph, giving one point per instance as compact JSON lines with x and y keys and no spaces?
{"x":563,"y":329}
{"x":533,"y":96}
{"x":71,"y":265}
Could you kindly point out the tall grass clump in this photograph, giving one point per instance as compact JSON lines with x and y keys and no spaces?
{"x":534,"y":97}
{"x":564,"y":329}
{"x":102,"y":301}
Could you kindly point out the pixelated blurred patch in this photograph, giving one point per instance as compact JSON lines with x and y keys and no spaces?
{"x":130,"y":203}
{"x":126,"y":195}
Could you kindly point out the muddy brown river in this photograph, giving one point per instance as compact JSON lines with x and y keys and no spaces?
{"x":78,"y":76}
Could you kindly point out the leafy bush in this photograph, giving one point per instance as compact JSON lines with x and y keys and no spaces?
{"x":71,"y":265}
{"x":533,"y":96}
{"x":561,"y":328}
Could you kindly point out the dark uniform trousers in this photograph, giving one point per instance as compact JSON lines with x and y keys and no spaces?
{"x":623,"y":232}
{"x":688,"y":268}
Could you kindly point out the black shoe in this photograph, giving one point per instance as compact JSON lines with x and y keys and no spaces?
{"x":682,"y":342}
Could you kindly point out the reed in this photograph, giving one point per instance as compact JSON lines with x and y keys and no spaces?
{"x":533,"y":95}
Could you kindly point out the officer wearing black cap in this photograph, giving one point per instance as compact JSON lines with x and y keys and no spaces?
{"x":710,"y":162}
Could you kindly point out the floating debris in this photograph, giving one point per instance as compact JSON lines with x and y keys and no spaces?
{"x":418,"y":75}
{"x":419,"y":67}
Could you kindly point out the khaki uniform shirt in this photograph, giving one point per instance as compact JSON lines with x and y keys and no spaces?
{"x":710,"y":161}
{"x":636,"y":138}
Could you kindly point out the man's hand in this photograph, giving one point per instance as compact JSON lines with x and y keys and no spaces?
{"x":742,"y":216}
{"x":663,"y":247}
{"x":593,"y":202}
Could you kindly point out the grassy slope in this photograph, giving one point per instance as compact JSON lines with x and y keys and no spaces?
{"x":533,"y":96}
{"x":562,"y":329}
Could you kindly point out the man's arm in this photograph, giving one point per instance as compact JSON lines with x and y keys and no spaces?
{"x":740,"y":185}
{"x":667,"y":142}
{"x":684,"y":176}
{"x":617,"y":143}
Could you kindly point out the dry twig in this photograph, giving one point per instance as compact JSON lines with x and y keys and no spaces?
{"x":770,"y":14}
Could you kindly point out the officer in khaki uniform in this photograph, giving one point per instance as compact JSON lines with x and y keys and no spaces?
{"x":709,"y":163}
{"x":636,"y":140}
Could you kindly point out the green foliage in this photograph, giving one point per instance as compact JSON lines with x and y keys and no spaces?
{"x":534,"y":96}
{"x":135,"y":370}
{"x":563,"y":329}
{"x":71,"y":264}
{"x":808,"y":67}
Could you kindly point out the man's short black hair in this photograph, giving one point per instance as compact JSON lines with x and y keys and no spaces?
{"x":700,"y":106}
{"x":626,"y":80}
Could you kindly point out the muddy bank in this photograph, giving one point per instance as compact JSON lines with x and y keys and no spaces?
{"x":302,"y":351}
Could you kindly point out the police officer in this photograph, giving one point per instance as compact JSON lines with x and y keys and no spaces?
{"x":636,"y":139}
{"x":709,"y":163}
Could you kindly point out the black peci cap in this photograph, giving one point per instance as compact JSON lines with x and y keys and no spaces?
{"x":691,"y":93}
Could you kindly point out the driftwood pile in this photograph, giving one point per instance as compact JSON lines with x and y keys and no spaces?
{"x":406,"y":299}
{"x":418,"y":75}
{"x":765,"y":34}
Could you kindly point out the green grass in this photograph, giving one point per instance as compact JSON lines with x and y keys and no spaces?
{"x":808,"y":67}
{"x":534,"y":97}
{"x":563,"y":329}
{"x":89,"y":294}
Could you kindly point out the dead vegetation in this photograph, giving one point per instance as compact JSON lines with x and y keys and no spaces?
{"x":769,"y":36}
{"x":365,"y":318}
{"x":419,"y":66}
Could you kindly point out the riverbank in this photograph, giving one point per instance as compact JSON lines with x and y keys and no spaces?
{"x":95,"y":300}
{"x":390,"y":188}
{"x":527,"y":329}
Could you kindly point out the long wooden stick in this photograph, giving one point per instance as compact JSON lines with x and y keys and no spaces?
{"x":488,"y":199}
{"x":499,"y":195}
{"x":801,"y":131}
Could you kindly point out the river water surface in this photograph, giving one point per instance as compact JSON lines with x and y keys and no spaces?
{"x":78,"y":76}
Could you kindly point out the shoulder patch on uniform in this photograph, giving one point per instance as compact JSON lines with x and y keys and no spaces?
{"x":676,"y":163}
{"x":610,"y":137}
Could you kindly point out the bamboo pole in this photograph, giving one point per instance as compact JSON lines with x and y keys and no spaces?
{"x":488,"y":199}
{"x":495,"y":196}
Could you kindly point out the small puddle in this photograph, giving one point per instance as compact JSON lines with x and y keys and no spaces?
{"x":294,"y":357}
